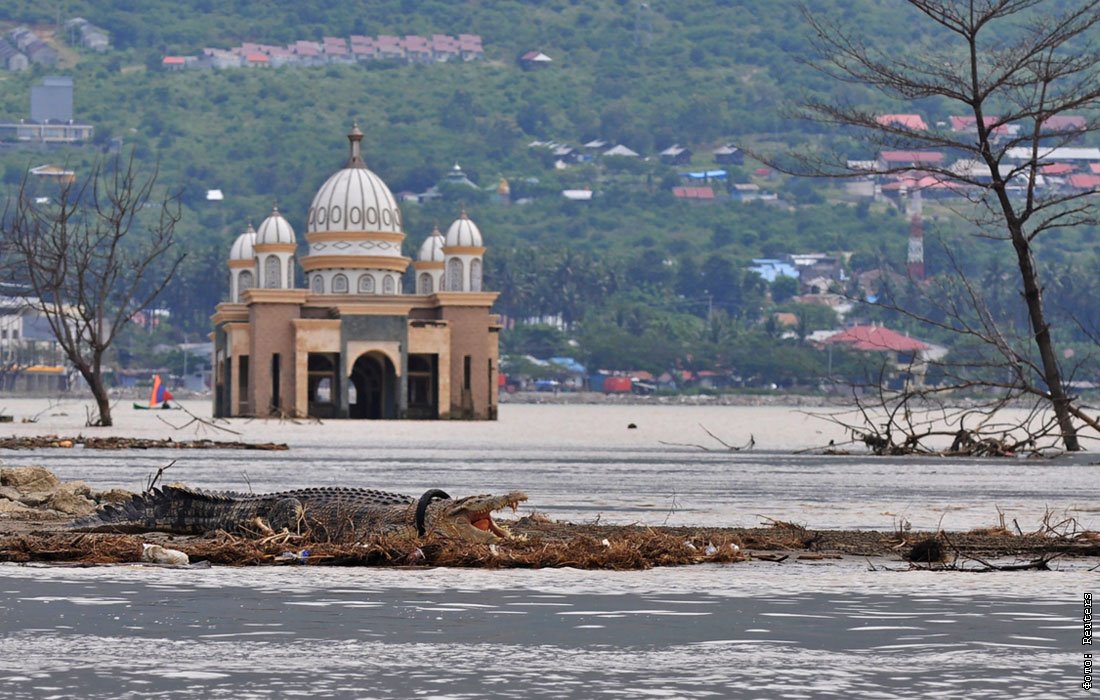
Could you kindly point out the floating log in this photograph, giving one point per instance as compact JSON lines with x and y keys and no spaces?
{"x":38,"y":442}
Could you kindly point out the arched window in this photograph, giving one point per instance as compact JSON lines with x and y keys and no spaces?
{"x":317,"y":285}
{"x":424,"y":283}
{"x":475,"y":275}
{"x":290,"y":272}
{"x":244,"y":281}
{"x":454,"y":275}
{"x":340,"y":284}
{"x":366,"y":284}
{"x":273,"y":278}
{"x":388,"y":285}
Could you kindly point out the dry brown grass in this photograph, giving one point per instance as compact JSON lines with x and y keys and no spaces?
{"x":541,"y":543}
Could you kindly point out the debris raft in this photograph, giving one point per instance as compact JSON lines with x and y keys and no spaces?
{"x":35,"y":506}
{"x":129,"y":443}
{"x":632,"y":550}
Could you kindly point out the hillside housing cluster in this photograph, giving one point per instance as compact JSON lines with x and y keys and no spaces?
{"x":1064,"y":165}
{"x":437,"y":48}
{"x":695,"y":185}
{"x":21,"y":47}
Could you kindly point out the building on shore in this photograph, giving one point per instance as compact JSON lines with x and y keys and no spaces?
{"x":354,"y":343}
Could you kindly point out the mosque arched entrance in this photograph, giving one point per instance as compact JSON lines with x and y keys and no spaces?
{"x":374,"y":380}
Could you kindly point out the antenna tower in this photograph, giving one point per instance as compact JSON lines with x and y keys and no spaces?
{"x":914,"y":261}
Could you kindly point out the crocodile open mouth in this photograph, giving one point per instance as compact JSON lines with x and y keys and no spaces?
{"x":482,"y":517}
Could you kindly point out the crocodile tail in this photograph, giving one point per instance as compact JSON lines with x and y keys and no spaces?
{"x":169,"y":508}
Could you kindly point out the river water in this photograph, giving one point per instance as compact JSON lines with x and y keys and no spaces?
{"x":799,"y":629}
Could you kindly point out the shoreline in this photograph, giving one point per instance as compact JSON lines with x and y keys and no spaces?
{"x":595,"y":398}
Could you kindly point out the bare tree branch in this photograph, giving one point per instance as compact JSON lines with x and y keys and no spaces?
{"x":93,"y":258}
{"x":1012,"y":66}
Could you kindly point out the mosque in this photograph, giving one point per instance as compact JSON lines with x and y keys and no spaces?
{"x":354,"y":343}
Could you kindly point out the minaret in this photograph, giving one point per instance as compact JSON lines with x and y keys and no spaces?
{"x":914,"y":262}
{"x":275,"y":248}
{"x":462,"y":252}
{"x":355,"y":141}
{"x":429,"y":264}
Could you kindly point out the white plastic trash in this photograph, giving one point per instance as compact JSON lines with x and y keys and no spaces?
{"x":155,"y":554}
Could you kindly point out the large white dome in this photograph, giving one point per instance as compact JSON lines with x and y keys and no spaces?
{"x":275,"y":229}
{"x":431,"y":250}
{"x":243,"y":247}
{"x":354,"y":199}
{"x":463,"y":233}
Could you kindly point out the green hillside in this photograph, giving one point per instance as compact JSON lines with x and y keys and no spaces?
{"x":700,"y":73}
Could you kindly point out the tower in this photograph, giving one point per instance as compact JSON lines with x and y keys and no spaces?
{"x":275,"y":246}
{"x":429,"y":264}
{"x":462,"y":251}
{"x":242,"y":264}
{"x":914,"y":261}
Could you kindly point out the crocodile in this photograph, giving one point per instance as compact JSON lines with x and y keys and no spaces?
{"x":326,"y":513}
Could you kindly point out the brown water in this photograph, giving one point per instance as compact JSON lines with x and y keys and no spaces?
{"x":752,"y":630}
{"x":580,"y":463}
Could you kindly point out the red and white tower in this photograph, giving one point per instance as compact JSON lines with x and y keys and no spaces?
{"x":914,"y":261}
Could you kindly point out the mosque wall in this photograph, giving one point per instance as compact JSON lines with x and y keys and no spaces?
{"x":474,"y":365}
{"x":271,"y":382}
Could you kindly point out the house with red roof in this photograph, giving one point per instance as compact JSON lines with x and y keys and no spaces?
{"x":363,"y":48}
{"x":469,"y":45}
{"x":1084,"y":181}
{"x":694,"y":194}
{"x":444,"y":48}
{"x":969,"y":125}
{"x":390,"y":47}
{"x":1057,"y":169}
{"x":1065,"y":122}
{"x":913,"y":122}
{"x":417,"y":49}
{"x":336,"y":49}
{"x":907,"y":354}
{"x":893,"y":160}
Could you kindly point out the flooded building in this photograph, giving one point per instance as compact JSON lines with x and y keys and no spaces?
{"x":354,"y":343}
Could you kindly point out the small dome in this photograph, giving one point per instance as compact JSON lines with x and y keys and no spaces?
{"x":354,"y":199}
{"x":275,"y":229}
{"x":463,"y":233}
{"x":242,"y":247}
{"x":431,"y":250}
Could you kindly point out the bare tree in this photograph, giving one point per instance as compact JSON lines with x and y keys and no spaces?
{"x":1016,"y":69}
{"x":92,"y":258}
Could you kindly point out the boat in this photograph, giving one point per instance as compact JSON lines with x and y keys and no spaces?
{"x":158,"y":397}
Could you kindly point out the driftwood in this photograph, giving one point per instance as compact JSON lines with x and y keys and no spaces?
{"x":198,"y":422}
{"x":727,"y":447}
{"x":930,"y":421}
{"x":151,"y":483}
{"x":125,"y":443}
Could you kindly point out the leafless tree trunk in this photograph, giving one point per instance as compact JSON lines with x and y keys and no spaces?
{"x":1011,"y":66}
{"x":90,"y":256}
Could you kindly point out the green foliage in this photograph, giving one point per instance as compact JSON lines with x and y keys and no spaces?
{"x":783,"y":288}
{"x":645,"y":280}
{"x":538,"y":340}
